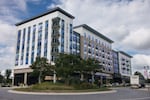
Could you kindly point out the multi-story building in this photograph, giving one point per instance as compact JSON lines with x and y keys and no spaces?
{"x":115,"y":61}
{"x":51,"y":33}
{"x":122,"y":66}
{"x":116,"y":75}
{"x":95,"y":45}
{"x":75,"y":43}
{"x":45,"y":35}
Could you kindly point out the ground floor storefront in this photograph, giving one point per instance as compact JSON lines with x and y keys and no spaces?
{"x":24,"y":77}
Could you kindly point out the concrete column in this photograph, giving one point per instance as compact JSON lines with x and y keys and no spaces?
{"x":13,"y":80}
{"x":92,"y":77}
{"x":25,"y":78}
{"x":54,"y":77}
{"x":82,"y":77}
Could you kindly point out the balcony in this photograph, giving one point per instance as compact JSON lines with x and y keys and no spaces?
{"x":57,"y":35}
{"x":55,"y":43}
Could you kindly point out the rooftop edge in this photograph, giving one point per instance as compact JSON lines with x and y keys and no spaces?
{"x":95,"y":32}
{"x":47,"y":12}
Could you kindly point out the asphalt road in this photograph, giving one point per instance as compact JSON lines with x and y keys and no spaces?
{"x":121,"y":94}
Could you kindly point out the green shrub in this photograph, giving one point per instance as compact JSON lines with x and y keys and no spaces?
{"x":85,"y":86}
{"x":51,"y":86}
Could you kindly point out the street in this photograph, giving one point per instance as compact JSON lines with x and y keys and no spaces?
{"x":121,"y":94}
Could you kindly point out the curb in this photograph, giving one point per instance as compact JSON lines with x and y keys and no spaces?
{"x":144,"y":89}
{"x":44,"y":93}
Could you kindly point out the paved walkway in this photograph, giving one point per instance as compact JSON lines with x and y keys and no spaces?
{"x":78,"y":93}
{"x":121,"y":94}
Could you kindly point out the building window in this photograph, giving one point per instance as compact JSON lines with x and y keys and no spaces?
{"x":96,"y":47}
{"x":39,"y":39}
{"x":23,"y":44}
{"x":32,"y":57}
{"x":62,"y":35}
{"x":89,"y":50}
{"x":46,"y":25}
{"x":85,"y":49}
{"x":40,"y":27}
{"x":33,"y":43}
{"x":55,"y":43}
{"x":75,"y":43}
{"x":96,"y":41}
{"x":52,"y":58}
{"x":84,"y":35}
{"x":28,"y":44}
{"x":18,"y":47}
{"x":46,"y":39}
{"x":89,"y":37}
{"x":89,"y":44}
{"x":92,"y":38}
{"x":71,"y":37}
{"x":85,"y":42}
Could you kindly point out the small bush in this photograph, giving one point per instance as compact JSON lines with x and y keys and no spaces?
{"x":85,"y":86}
{"x":59,"y":87}
{"x":51,"y":86}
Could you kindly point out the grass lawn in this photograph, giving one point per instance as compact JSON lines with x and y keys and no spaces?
{"x":59,"y":88}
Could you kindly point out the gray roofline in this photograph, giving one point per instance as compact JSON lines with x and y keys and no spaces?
{"x":95,"y":32}
{"x":125,"y":54}
{"x":76,"y":32}
{"x":46,"y":13}
{"x":114,"y":51}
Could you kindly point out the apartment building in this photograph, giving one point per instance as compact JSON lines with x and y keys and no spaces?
{"x":124,"y":63}
{"x":97,"y":46}
{"x":51,"y":33}
{"x":122,"y":66}
{"x":45,"y":35}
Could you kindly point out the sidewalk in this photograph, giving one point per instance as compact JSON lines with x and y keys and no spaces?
{"x":44,"y":93}
{"x":145,"y":89}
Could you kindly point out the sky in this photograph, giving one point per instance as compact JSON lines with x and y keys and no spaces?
{"x":127,"y":22}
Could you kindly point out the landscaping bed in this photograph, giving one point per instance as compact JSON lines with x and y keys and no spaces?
{"x":61,"y":88}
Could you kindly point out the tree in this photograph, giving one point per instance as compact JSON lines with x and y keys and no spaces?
{"x":140,"y":75}
{"x":65,"y":66}
{"x":91,"y":66}
{"x":1,"y":78}
{"x":79,"y":66}
{"x":7,"y":75}
{"x":41,"y":66}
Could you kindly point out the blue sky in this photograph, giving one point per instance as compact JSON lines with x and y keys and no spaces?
{"x":35,"y":8}
{"x":124,"y":21}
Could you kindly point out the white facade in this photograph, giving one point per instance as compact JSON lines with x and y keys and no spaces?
{"x":124,"y":64}
{"x":86,"y":33}
{"x":100,"y":48}
{"x":40,"y":22}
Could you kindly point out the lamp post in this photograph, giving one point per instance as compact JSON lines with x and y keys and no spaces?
{"x":54,"y":74}
{"x":146,"y":68}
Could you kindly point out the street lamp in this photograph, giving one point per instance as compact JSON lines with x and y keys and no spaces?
{"x":54,"y":73}
{"x":146,"y":68}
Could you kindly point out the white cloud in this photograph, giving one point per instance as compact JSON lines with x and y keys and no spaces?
{"x":10,"y":12}
{"x":124,"y":21}
{"x":7,"y":32}
{"x":139,"y":61}
{"x":7,"y":57}
{"x":7,"y":7}
{"x":139,"y":39}
{"x":116,"y":19}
